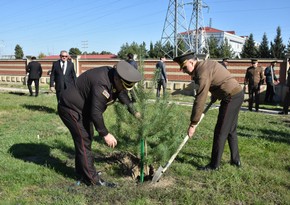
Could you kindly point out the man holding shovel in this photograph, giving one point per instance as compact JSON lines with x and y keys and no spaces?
{"x":212,"y":77}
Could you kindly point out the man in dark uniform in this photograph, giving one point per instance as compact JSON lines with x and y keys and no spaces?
{"x":212,"y":77}
{"x":34,"y":71}
{"x":254,"y":78}
{"x":83,"y":105}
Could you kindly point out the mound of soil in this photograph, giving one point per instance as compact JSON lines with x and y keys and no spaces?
{"x":129,"y":164}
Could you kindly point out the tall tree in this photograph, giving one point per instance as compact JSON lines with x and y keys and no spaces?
{"x":264,"y":50}
{"x":74,"y":52}
{"x":133,"y":48}
{"x":277,"y":47}
{"x":249,"y":49}
{"x":225,"y":50}
{"x":213,"y":47}
{"x":288,"y":47}
{"x":18,"y":52}
{"x":151,"y":50}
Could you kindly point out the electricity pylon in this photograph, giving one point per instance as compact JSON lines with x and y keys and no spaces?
{"x":175,"y":38}
{"x":198,"y":34}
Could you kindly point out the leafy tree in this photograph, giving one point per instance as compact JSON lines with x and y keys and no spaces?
{"x":151,"y":53}
{"x":41,"y":55}
{"x":168,"y":49}
{"x":264,"y":50}
{"x":225,"y":50}
{"x":18,"y":52}
{"x":249,"y":49}
{"x":157,"y":50}
{"x":288,"y":47}
{"x":181,"y":47}
{"x":213,"y":47}
{"x":278,"y":48}
{"x":105,"y":53}
{"x":74,"y":52}
{"x":134,"y":48}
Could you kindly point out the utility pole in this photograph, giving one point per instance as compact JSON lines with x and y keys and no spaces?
{"x":175,"y":39}
{"x":85,"y":46}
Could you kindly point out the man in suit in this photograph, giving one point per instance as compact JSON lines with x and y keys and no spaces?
{"x":162,"y":76}
{"x":62,"y":74}
{"x":131,"y":61}
{"x":34,"y":71}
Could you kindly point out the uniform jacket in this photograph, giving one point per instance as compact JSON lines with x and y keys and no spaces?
{"x":62,"y":81}
{"x":254,"y":76}
{"x":268,"y":75}
{"x":34,"y":70}
{"x":211,"y":76}
{"x":162,"y":68}
{"x":93,"y":92}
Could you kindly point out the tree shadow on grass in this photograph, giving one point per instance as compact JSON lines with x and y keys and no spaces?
{"x":17,"y":93}
{"x":40,"y":108}
{"x":267,"y":134}
{"x":40,"y":154}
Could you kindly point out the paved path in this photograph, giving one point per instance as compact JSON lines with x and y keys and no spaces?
{"x":22,"y":90}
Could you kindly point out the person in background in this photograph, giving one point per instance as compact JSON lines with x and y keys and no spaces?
{"x":254,"y":78}
{"x":210,"y":76}
{"x":225,"y":62}
{"x":271,"y":81}
{"x":286,"y":101}
{"x":82,"y":106}
{"x":131,"y":61}
{"x":162,"y":76}
{"x":62,"y":74}
{"x":34,"y":71}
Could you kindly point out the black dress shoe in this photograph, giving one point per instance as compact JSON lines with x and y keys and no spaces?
{"x":282,"y":113}
{"x":101,"y":182}
{"x":208,"y":168}
{"x":237,"y":164}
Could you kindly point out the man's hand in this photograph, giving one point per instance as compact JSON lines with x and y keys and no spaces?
{"x":191,"y":130}
{"x":110,"y":140}
{"x":52,"y":89}
{"x":138,"y":115}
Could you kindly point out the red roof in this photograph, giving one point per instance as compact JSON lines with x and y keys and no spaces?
{"x":211,"y":30}
{"x":106,"y":56}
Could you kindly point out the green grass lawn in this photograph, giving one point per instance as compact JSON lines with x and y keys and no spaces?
{"x":37,"y":160}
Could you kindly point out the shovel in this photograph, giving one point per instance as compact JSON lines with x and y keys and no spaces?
{"x":157,"y":175}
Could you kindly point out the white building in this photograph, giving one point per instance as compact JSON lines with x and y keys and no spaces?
{"x":236,"y":42}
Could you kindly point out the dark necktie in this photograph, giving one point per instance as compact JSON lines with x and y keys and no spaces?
{"x":62,"y":67}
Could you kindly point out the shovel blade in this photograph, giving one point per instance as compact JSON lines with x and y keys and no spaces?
{"x":157,"y":174}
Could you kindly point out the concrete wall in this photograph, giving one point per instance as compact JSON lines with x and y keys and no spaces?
{"x":13,"y":71}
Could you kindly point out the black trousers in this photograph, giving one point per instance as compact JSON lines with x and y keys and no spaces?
{"x":286,"y":101}
{"x":270,"y":92}
{"x":160,"y":83}
{"x":81,"y":129}
{"x":226,"y":129}
{"x":254,"y":94}
{"x":36,"y":83}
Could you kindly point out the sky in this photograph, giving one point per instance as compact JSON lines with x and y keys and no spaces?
{"x":49,"y":26}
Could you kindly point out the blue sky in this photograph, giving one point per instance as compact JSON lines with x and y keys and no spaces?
{"x":49,"y":26}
